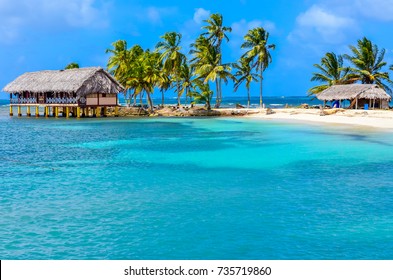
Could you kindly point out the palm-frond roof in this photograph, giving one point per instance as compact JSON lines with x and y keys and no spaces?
{"x":353,"y":91}
{"x":81,"y":81}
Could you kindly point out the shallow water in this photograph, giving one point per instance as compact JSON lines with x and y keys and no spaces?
{"x":193,"y":189}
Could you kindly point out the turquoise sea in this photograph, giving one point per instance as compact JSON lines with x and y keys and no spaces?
{"x":216,"y":188}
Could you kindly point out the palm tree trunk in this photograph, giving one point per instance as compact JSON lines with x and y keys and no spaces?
{"x":141,"y":98}
{"x":217,"y":94}
{"x":178,"y":95}
{"x":163,"y":98}
{"x":248,"y":97}
{"x":149,"y":101}
{"x":260,"y":94}
{"x":134,"y":99}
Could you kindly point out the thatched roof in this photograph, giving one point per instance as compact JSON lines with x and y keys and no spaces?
{"x":360,"y":91}
{"x":81,"y":81}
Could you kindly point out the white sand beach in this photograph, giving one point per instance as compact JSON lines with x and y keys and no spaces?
{"x":371,"y":118}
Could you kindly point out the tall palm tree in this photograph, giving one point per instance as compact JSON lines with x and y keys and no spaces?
{"x":72,"y":65}
{"x":216,"y":32}
{"x":331,"y":72}
{"x":171,"y":56}
{"x":256,"y":40}
{"x":368,"y":62}
{"x":244,"y":74}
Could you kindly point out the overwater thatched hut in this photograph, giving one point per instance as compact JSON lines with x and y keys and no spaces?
{"x":358,"y":94}
{"x":79,"y":90}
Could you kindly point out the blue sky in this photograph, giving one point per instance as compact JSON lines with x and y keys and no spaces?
{"x":48,"y":34}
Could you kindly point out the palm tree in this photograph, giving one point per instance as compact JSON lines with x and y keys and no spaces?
{"x":201,"y":92}
{"x":216,"y":32}
{"x":171,"y":57}
{"x":72,"y":65}
{"x":118,"y":63}
{"x":206,"y":64}
{"x":245,"y":74}
{"x":368,"y":62}
{"x":331,"y":72}
{"x":186,"y":79}
{"x":256,"y":40}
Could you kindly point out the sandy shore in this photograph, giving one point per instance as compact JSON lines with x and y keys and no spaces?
{"x":371,"y":118}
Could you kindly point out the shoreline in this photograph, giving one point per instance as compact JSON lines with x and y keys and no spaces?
{"x":381,"y":119}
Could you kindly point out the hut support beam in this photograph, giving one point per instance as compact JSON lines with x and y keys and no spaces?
{"x":11,"y":112}
{"x":67,"y":112}
{"x":105,"y":113}
{"x":116,"y":111}
{"x":78,"y":112}
{"x":19,"y":111}
{"x":28,"y":111}
{"x":37,"y":112}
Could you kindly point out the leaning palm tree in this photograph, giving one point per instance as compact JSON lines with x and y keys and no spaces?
{"x":72,"y":65}
{"x":171,"y":56}
{"x":256,"y":40}
{"x":368,"y":62}
{"x":331,"y":72}
{"x":118,"y":63}
{"x":244,"y":74}
{"x":216,"y":32}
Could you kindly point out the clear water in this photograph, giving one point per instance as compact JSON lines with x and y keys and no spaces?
{"x":193,"y":189}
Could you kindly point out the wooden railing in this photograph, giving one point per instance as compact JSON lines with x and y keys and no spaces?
{"x":55,"y":100}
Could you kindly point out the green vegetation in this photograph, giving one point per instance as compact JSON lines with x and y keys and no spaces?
{"x":168,"y":67}
{"x":367,"y":63}
{"x":72,"y":65}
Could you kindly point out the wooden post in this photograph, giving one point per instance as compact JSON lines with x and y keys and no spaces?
{"x":56,"y":111}
{"x":11,"y":112}
{"x":19,"y":111}
{"x":78,"y":112}
{"x":94,"y":112}
{"x":28,"y":111}
{"x":116,"y":111}
{"x":37,"y":112}
{"x":67,"y":112}
{"x":356,"y":103}
{"x":46,"y":111}
{"x":105,"y":113}
{"x":98,"y":112}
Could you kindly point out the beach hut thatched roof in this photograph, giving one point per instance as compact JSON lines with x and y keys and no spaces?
{"x":360,"y":91}
{"x":81,"y":81}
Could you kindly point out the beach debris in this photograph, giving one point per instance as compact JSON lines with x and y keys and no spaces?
{"x":269,"y":111}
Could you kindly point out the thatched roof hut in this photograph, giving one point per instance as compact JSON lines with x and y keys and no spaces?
{"x":79,"y":81}
{"x":354,"y":91}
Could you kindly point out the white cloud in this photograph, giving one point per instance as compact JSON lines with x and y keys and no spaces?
{"x":17,"y":15}
{"x":200,"y":15}
{"x":322,"y":26}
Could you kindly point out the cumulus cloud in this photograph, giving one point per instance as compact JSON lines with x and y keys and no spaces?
{"x":320,"y":25}
{"x":16,"y":15}
{"x":200,"y":15}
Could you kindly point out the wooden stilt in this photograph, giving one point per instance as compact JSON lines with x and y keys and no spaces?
{"x":19,"y":111}
{"x":37,"y":111}
{"x":11,"y":112}
{"x":116,"y":111}
{"x":94,"y":109}
{"x":78,"y":112}
{"x":28,"y":111}
{"x":67,"y":112}
{"x":105,"y":113}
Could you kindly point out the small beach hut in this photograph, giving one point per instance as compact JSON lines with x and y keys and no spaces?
{"x":77,"y":91}
{"x":359,"y":95}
